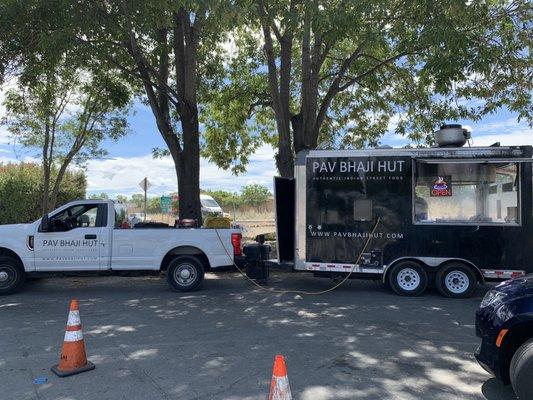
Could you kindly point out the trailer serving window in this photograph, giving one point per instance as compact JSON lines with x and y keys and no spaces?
{"x":466,"y":192}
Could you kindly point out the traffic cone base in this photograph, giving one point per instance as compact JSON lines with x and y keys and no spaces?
{"x":73,"y":358}
{"x":55,"y":369}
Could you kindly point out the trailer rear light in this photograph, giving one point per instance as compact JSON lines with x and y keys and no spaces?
{"x":236,"y":239}
{"x":502,"y":274}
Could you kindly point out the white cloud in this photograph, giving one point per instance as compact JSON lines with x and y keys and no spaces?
{"x":4,"y":134}
{"x":122,"y":175}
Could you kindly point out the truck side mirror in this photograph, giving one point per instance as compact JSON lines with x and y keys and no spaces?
{"x":45,"y":223}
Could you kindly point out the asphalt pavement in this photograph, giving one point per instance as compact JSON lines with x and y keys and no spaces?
{"x":359,"y":342}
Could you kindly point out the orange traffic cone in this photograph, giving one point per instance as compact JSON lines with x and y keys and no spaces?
{"x":73,"y":358}
{"x":279,"y":388}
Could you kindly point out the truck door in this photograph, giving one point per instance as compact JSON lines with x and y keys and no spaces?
{"x":76,"y":237}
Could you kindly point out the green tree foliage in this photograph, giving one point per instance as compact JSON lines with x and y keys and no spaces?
{"x":154,"y":205}
{"x":337,"y":72}
{"x":122,"y":198}
{"x":65,"y":114}
{"x":173,"y":52}
{"x":21,"y":188}
{"x":101,"y":196}
{"x":255,"y":194}
{"x":137,"y":200}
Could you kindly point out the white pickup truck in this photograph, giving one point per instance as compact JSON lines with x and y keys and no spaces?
{"x":91,"y":235}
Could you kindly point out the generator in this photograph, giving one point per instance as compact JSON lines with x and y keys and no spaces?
{"x":257,"y":254}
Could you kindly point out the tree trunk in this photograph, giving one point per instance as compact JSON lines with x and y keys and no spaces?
{"x":46,"y":169}
{"x":285,"y":157}
{"x":188,"y":168}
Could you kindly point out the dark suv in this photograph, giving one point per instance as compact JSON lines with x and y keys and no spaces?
{"x":504,"y":322}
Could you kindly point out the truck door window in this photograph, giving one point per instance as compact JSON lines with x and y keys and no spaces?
{"x":467,"y":193}
{"x":79,"y":216}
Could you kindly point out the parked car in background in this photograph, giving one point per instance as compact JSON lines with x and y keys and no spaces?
{"x":504,"y":322}
{"x":209,"y":206}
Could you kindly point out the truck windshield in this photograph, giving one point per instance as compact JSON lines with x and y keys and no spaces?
{"x":209,"y":203}
{"x":467,"y":192}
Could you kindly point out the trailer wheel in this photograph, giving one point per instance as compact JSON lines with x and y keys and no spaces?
{"x":12,"y":275}
{"x":456,"y":280}
{"x":185,"y":273}
{"x":408,"y":278}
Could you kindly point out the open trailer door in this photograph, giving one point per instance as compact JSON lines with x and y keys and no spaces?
{"x":284,"y":192}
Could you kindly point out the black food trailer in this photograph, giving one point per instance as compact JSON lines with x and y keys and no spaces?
{"x":446,"y":216}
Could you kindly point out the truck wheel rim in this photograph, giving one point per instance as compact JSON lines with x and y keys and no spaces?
{"x":185,"y":274}
{"x":457,"y":282}
{"x":408,"y":279}
{"x":7,"y":275}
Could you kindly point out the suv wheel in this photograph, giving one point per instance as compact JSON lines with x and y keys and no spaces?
{"x":456,"y":280}
{"x":12,"y":275}
{"x":185,"y":273}
{"x":408,"y":278}
{"x":521,"y":371}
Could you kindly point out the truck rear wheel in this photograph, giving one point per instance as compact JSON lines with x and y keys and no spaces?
{"x":12,"y":275}
{"x":408,"y":278}
{"x":521,"y":371}
{"x":456,"y":280}
{"x":185,"y":273}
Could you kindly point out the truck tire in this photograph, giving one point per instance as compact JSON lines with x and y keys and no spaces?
{"x":185,"y":273}
{"x":408,"y":278}
{"x":456,"y":280}
{"x":12,"y":275}
{"x":521,"y":371}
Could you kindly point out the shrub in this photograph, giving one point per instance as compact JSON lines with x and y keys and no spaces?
{"x":255,"y":194}
{"x":21,"y":189}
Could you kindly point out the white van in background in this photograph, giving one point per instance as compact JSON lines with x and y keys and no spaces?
{"x":210,"y":206}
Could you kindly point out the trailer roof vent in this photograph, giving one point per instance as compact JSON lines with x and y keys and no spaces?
{"x":451,"y":135}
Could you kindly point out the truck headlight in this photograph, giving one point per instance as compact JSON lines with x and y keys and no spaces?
{"x":493,"y":298}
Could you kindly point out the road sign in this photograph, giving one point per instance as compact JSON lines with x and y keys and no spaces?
{"x":166,"y":204}
{"x":145,"y":184}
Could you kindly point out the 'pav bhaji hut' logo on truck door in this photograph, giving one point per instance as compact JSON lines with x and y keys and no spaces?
{"x":77,"y":243}
{"x":441,"y":187}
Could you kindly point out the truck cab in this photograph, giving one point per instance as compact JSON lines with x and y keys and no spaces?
{"x":90,"y":235}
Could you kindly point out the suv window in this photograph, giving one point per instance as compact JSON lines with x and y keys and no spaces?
{"x":79,"y":216}
{"x":466,"y":193}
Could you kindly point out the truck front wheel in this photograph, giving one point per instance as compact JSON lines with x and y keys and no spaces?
{"x":408,"y":278}
{"x":185,"y":273}
{"x":12,"y":275}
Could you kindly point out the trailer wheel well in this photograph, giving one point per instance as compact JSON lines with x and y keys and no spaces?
{"x":468,"y":264}
{"x":184,"y":251}
{"x":389,"y":267}
{"x":11,"y":253}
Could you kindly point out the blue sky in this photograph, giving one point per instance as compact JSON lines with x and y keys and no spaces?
{"x":130,"y":159}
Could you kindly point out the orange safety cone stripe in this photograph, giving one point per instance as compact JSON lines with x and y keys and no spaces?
{"x":279,"y":366}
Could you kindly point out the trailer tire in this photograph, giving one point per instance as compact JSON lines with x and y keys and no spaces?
{"x":12,"y":275}
{"x":456,"y":280}
{"x":521,"y":371}
{"x":185,"y":273}
{"x":408,"y":278}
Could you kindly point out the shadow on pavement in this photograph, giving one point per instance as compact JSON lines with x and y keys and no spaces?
{"x":358,"y":342}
